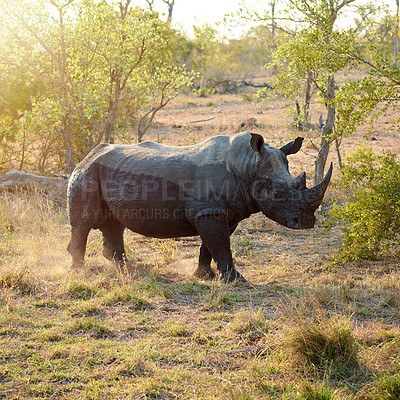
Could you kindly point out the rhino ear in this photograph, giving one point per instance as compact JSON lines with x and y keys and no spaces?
{"x":292,"y":147}
{"x":257,"y":143}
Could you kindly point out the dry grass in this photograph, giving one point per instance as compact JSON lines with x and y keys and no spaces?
{"x":302,"y":329}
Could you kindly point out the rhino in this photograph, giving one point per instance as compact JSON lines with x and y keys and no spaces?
{"x":201,"y":190}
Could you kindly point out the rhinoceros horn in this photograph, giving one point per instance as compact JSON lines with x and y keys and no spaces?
{"x":315,"y":194}
{"x":299,"y":182}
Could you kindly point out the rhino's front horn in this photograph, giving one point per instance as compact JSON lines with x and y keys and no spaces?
{"x":316,"y":194}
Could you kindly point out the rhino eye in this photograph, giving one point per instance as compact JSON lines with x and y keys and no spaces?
{"x":279,"y":194}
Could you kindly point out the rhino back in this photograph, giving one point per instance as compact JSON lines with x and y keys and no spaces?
{"x":172,"y":162}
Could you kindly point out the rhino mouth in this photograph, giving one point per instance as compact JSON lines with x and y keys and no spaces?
{"x":297,"y":222}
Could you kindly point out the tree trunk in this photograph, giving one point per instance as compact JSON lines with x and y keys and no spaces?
{"x":69,"y":157}
{"x":326,"y":132}
{"x":302,"y":122}
{"x":170,"y":4}
{"x":307,"y":99}
{"x":273,"y":25}
{"x":396,"y":37}
{"x":321,"y":160}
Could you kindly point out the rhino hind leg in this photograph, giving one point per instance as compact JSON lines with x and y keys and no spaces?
{"x":204,"y":270}
{"x":113,"y":241}
{"x":215,"y":234}
{"x":77,"y":245}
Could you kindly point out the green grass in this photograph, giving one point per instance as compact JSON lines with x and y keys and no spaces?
{"x":296,"y":332}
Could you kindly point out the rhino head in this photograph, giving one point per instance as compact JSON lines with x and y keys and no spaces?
{"x":280,"y":196}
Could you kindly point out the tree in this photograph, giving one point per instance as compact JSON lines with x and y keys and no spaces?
{"x":365,"y":99}
{"x":95,"y":59}
{"x":219,"y":59}
{"x":170,"y":4}
{"x":313,"y":57}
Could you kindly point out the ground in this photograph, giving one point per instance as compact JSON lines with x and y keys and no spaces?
{"x":301,"y":328}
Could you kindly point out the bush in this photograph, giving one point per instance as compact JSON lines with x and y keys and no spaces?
{"x":204,"y":92}
{"x":370,"y":205}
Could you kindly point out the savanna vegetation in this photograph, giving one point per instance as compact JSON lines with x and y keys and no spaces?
{"x":319,"y":317}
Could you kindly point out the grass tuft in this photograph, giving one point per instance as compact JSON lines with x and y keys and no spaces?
{"x":91,"y":326}
{"x":250,"y":323}
{"x":315,"y":391}
{"x":52,"y":335}
{"x":86,"y":308}
{"x":78,"y":288}
{"x":387,"y":388}
{"x":219,"y":296}
{"x":177,"y":329}
{"x":133,"y":367}
{"x":125,"y":294}
{"x":20,"y":280}
{"x":322,"y":342}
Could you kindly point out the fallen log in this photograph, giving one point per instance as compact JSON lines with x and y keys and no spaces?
{"x":262,"y":85}
{"x":202,"y":120}
{"x":20,"y":180}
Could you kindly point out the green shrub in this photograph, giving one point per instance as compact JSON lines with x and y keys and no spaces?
{"x":204,"y":91}
{"x":370,"y":205}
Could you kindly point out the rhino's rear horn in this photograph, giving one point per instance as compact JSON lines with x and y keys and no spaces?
{"x":299,"y":182}
{"x":316,"y":194}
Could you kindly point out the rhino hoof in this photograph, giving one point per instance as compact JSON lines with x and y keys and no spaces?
{"x":77,"y":266}
{"x":233,"y":276}
{"x":206,"y":275}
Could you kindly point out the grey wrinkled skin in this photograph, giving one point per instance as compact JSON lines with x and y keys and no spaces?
{"x":168,"y":192}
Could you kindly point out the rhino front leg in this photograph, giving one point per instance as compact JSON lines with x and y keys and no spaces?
{"x":215,"y":234}
{"x":204,"y":270}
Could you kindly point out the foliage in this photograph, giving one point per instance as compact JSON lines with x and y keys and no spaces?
{"x":218,"y":59}
{"x":370,"y":205}
{"x":311,"y":59}
{"x":379,"y":32}
{"x":103,"y":68}
{"x":375,"y":94}
{"x":204,"y":92}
